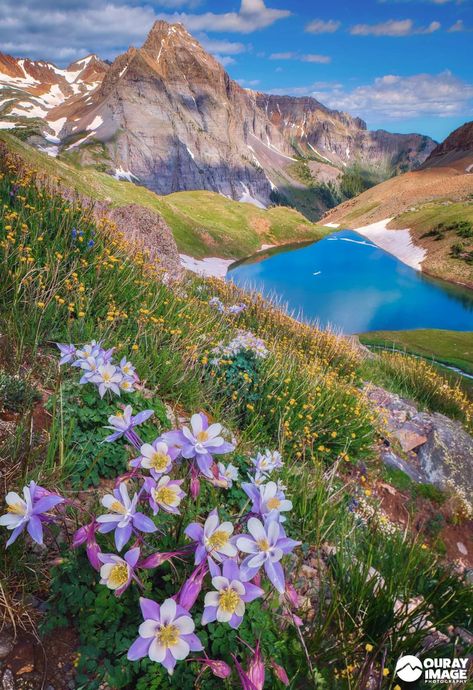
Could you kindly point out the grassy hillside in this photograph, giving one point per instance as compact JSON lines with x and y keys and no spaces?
{"x":203,"y":223}
{"x":64,"y":278}
{"x":444,"y":215}
{"x":448,"y":347}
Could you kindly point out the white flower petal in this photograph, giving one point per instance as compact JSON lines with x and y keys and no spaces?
{"x":185,"y":624}
{"x":180,"y":650}
{"x":148,"y":628}
{"x":156,"y":651}
{"x":256,"y":529}
{"x":168,"y":611}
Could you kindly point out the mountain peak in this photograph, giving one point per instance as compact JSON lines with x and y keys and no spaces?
{"x":162,"y":30}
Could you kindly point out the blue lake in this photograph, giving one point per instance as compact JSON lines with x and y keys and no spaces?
{"x":348,"y":283}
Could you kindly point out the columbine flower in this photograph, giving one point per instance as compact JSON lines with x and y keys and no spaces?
{"x":236,"y":308}
{"x":156,"y":457}
{"x":123,"y":516}
{"x":166,"y":635}
{"x":227,"y":603}
{"x":127,"y":368}
{"x":267,"y":462}
{"x":28,"y":511}
{"x":253,"y":678}
{"x":127,"y":384}
{"x":90,"y":365}
{"x":117,"y":573}
{"x":213,"y":539}
{"x":267,"y":499}
{"x":217,"y":304}
{"x":68,"y":352}
{"x":202,"y":441}
{"x":266,"y":545}
{"x":108,"y":377}
{"x":226,"y":475}
{"x":123,"y":424}
{"x":166,"y":494}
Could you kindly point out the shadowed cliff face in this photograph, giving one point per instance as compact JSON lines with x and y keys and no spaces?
{"x":168,"y":116}
{"x":339,"y":138}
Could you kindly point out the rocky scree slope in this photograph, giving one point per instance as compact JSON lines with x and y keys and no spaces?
{"x":168,"y":116}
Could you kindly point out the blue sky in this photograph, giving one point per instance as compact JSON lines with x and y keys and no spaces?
{"x":402,"y":65}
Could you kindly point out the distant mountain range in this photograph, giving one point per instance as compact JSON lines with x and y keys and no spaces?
{"x":168,"y":116}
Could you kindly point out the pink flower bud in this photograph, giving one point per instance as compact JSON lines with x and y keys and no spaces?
{"x":280,"y":673}
{"x":292,"y":595}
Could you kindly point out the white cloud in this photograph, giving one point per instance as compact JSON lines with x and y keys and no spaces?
{"x":253,"y":15}
{"x":248,"y":83}
{"x":457,"y":27}
{"x":216,"y":46}
{"x":62,"y":31}
{"x":225,"y":60}
{"x":320,"y":26}
{"x":393,"y":27}
{"x":323,"y":59}
{"x":397,"y":97}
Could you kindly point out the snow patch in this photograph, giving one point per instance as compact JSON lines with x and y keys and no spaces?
{"x":121,"y":174}
{"x":96,"y":122}
{"x":208,"y":267}
{"x":7,"y":125}
{"x":248,"y":199}
{"x":396,"y":242}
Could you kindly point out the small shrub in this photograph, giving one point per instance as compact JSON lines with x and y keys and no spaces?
{"x":16,"y":393}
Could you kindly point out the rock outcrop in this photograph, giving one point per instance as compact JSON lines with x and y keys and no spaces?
{"x":456,"y":151}
{"x":435,"y":449}
{"x":149,"y":232}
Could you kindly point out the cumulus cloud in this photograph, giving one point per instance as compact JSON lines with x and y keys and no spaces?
{"x":457,"y":27}
{"x":62,"y":31}
{"x":321,"y":26}
{"x":398,"y":97}
{"x":253,"y":15}
{"x":216,"y":46}
{"x":394,"y":27}
{"x":248,"y":83}
{"x":225,"y":60}
{"x":311,"y":57}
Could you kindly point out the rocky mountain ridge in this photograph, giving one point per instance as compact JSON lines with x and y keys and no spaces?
{"x":456,"y":151}
{"x":168,"y":116}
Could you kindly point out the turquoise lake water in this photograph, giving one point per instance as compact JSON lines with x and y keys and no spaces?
{"x":349,"y":283}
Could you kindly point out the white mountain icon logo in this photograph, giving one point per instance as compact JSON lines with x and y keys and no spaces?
{"x":409,"y":668}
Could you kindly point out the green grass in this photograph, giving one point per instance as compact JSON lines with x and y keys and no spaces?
{"x":203,"y":223}
{"x":430,"y":215}
{"x":453,"y":348}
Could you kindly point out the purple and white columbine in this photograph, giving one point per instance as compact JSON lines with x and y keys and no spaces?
{"x":268,"y":499}
{"x":214,"y":540}
{"x":166,"y":635}
{"x":108,"y":378}
{"x":123,"y":424}
{"x":202,"y":442}
{"x":116,"y":572}
{"x":29,"y":511}
{"x":165,"y":494}
{"x":266,"y":544}
{"x":227,"y":603}
{"x":123,"y":517}
{"x":68,"y":352}
{"x":156,"y":457}
{"x":267,"y":462}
